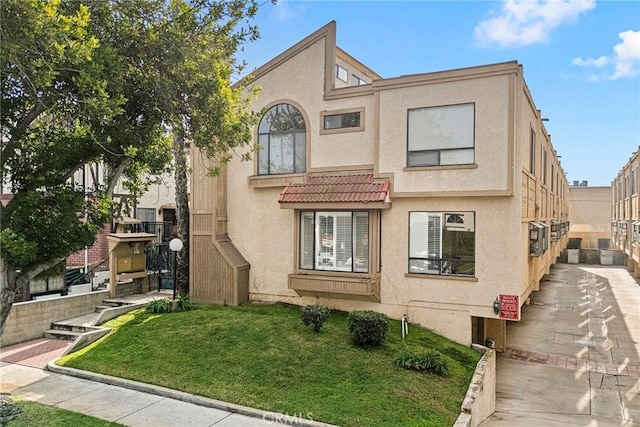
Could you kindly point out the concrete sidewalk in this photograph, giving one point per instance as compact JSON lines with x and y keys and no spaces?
{"x":131,"y":403}
{"x":574,"y":358}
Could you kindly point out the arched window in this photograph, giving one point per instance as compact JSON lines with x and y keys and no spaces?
{"x":282,"y":137}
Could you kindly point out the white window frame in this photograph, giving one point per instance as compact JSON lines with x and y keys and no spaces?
{"x":323,"y":251}
{"x":342,"y":73}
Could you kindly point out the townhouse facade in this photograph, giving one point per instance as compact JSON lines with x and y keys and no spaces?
{"x":590,"y":216}
{"x":625,"y":212}
{"x":437,"y":196}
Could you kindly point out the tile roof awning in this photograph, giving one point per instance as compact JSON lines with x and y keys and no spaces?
{"x":360,"y":191}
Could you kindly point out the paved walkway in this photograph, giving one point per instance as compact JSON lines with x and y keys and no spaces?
{"x":36,"y":353}
{"x":574,"y":358}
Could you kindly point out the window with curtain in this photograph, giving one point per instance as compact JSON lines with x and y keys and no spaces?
{"x":441,"y":135}
{"x":282,"y":138}
{"x":334,"y":241}
{"x":442,"y":243}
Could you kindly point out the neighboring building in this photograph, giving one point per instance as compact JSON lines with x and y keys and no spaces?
{"x":428,"y":195}
{"x":590,"y":216}
{"x":153,"y":213}
{"x":625,"y":212}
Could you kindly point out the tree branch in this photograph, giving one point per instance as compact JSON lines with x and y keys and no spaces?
{"x":29,"y":274}
{"x":22,"y":125}
{"x":115,"y":176}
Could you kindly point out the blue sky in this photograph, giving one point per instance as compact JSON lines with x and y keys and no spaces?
{"x":581,"y":58}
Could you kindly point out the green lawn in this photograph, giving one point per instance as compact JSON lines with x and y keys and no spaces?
{"x":264,"y":357}
{"x":37,"y":414}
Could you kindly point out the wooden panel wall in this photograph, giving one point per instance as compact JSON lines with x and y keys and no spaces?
{"x":528,"y":203}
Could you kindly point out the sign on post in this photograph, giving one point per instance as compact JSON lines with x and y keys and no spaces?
{"x":510,"y":307}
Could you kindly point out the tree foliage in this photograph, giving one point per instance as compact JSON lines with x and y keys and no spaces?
{"x":109,"y":82}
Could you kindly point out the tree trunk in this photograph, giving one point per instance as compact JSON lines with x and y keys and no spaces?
{"x":13,"y":285}
{"x":8,"y":290}
{"x":182,"y":213}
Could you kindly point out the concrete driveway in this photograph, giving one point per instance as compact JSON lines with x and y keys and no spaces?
{"x":574,"y":358}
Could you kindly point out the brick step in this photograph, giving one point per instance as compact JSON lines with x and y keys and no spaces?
{"x":99,"y":308}
{"x":62,"y":334}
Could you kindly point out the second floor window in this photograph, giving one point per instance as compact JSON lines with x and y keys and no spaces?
{"x":348,"y":120}
{"x":441,"y":135}
{"x":282,"y":138}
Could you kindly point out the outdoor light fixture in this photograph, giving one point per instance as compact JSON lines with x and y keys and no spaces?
{"x":176,"y":246}
{"x":496,"y":306}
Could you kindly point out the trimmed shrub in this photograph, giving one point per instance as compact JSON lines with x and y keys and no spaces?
{"x":423,"y":360}
{"x":183,"y":303}
{"x":368,"y":328}
{"x":315,"y":315}
{"x":160,"y":305}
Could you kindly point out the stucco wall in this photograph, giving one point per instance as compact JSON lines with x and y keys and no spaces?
{"x":29,"y":320}
{"x":491,"y":98}
{"x":590,"y":209}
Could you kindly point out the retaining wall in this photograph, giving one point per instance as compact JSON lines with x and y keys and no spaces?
{"x":28,"y":320}
{"x":480,"y":401}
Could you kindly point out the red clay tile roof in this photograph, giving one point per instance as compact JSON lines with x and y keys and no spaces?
{"x":336,"y":189}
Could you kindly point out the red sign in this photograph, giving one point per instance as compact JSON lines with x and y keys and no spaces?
{"x":510,"y":307}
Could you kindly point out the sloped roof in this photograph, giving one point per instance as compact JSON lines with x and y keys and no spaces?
{"x":360,"y":188}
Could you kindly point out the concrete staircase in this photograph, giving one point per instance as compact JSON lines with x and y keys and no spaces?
{"x":70,"y":329}
{"x":83,"y":329}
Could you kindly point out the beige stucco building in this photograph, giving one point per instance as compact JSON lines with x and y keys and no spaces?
{"x":625,"y":212}
{"x":429,"y":195}
{"x":590,"y":216}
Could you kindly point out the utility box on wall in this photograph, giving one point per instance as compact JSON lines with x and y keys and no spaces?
{"x":127,"y":258}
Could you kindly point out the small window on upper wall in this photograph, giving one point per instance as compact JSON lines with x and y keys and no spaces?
{"x":532,"y":152}
{"x":357,"y":81}
{"x":342,"y":73}
{"x":342,"y":121}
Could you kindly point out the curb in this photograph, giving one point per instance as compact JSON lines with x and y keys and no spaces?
{"x":267,"y":416}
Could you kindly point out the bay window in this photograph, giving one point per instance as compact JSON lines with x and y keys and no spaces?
{"x":334,"y":241}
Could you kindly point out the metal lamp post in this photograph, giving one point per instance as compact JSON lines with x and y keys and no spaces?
{"x":176,"y":246}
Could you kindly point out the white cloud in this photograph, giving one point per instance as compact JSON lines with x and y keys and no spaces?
{"x":591,"y":62}
{"x":627,"y":55}
{"x":284,"y":11}
{"x":525,"y":22}
{"x":625,"y":59}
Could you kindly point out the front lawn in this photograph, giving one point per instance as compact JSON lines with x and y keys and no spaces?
{"x":37,"y":414}
{"x":264,"y":357}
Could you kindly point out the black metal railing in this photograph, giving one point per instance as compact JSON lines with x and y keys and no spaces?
{"x":162,"y":230}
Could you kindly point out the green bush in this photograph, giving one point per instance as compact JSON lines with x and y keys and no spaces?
{"x":315,"y":315}
{"x":9,"y":410}
{"x":183,"y":303}
{"x":160,"y":305}
{"x":423,"y":360}
{"x":367,"y":328}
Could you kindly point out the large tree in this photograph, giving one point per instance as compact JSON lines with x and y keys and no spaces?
{"x":112,"y":82}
